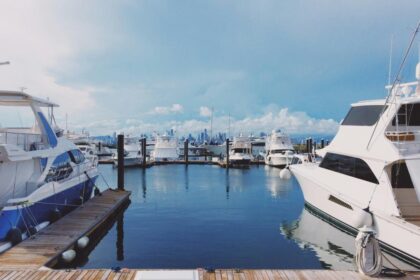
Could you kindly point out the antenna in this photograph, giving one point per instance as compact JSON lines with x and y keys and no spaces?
{"x":211,"y":124}
{"x":390,"y":60}
{"x":22,"y":89}
{"x":229,"y":127}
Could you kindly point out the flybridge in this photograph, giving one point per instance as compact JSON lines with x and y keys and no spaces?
{"x":17,"y":98}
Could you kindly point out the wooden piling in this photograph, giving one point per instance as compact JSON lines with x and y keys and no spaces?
{"x":120,"y":151}
{"x":310,"y":146}
{"x":322,"y":143}
{"x":186,"y":151}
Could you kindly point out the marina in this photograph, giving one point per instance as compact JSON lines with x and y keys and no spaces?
{"x":179,"y":140}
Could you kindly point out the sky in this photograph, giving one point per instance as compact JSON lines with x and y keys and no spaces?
{"x":143,"y":66}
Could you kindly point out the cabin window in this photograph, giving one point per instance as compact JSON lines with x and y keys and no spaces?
{"x":408,"y":114}
{"x":240,"y":150}
{"x":60,"y":169}
{"x":363,"y":115}
{"x":76,"y":156}
{"x":350,"y":166}
{"x":400,"y":177}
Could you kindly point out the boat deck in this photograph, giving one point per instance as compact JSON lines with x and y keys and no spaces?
{"x":200,"y":274}
{"x":45,"y":248}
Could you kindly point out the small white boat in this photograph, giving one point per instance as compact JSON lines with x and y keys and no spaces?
{"x":240,"y":152}
{"x":369,"y":174}
{"x":279,"y":150}
{"x":88,"y":151}
{"x":166,"y":149}
{"x":132,"y":153}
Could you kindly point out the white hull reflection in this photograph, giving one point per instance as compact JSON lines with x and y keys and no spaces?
{"x":333,"y":245}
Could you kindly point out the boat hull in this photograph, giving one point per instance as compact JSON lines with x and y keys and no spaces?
{"x":280,"y":162}
{"x":31,"y":214}
{"x":397,"y":237}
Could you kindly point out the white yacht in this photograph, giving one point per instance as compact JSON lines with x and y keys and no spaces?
{"x":88,"y":151}
{"x":166,"y":149}
{"x":279,"y":150}
{"x":132,"y":152}
{"x":369,"y":174}
{"x":43,"y":175}
{"x":258,"y":147}
{"x":240,"y":152}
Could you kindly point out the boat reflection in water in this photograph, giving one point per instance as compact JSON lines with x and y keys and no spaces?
{"x":334,"y":247}
{"x":272,"y":182}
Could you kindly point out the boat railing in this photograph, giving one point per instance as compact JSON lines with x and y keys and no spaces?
{"x":26,"y":141}
{"x":405,"y":141}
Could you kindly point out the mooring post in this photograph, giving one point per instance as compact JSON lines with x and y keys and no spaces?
{"x":227,"y":152}
{"x":310,"y":145}
{"x":186,"y":151}
{"x":322,"y":143}
{"x":100,"y":146}
{"x":328,"y":142}
{"x":120,"y":152}
{"x":143,"y":151}
{"x":314,"y":146}
{"x":307,"y":145}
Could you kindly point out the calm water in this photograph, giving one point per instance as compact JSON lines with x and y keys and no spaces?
{"x":206,"y":216}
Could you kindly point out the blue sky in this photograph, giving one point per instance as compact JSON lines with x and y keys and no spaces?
{"x":139,"y":66}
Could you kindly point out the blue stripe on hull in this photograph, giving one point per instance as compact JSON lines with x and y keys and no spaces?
{"x":42,"y":210}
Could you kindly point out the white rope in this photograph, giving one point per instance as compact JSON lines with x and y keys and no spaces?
{"x":368,"y":253}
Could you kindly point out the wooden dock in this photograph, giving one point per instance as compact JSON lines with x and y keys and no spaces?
{"x":200,"y":274}
{"x":45,"y":248}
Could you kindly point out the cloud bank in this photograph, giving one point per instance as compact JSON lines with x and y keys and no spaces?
{"x":291,"y":122}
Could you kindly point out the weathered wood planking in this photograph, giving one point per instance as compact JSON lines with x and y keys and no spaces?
{"x":224,"y":274}
{"x":45,"y":247}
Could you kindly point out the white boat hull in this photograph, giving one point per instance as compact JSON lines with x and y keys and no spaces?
{"x":397,"y":237}
{"x":278,"y":161}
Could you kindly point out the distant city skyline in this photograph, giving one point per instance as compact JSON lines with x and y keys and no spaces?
{"x":143,"y":66}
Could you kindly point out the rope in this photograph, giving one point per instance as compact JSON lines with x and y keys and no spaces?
{"x":368,"y":253}
{"x":57,"y":204}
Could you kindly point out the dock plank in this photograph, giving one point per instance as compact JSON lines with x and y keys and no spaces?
{"x":46,"y":246}
{"x":130,"y":274}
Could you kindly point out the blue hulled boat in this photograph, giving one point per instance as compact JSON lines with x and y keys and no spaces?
{"x":43,"y":175}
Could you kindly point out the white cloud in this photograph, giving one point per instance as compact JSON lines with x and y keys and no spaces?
{"x":41,"y":40}
{"x":205,"y":111}
{"x":166,"y":110}
{"x":290,"y":122}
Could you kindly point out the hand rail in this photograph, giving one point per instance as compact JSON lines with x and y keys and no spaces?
{"x":27,"y":141}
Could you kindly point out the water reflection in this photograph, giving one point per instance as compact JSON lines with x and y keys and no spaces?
{"x":227,"y":183}
{"x":334,"y":248}
{"x":186,"y":178}
{"x":120,"y":238}
{"x":274,"y":184}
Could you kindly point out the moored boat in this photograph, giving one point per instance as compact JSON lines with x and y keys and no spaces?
{"x":43,"y":175}
{"x":369,"y":174}
{"x":279,"y":150}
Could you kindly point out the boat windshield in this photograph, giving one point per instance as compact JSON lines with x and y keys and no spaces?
{"x":240,"y":150}
{"x":363,"y":115}
{"x":18,"y":126}
{"x":281,"y":151}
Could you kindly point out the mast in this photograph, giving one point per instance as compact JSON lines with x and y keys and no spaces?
{"x":211,"y":124}
{"x":229,"y":127}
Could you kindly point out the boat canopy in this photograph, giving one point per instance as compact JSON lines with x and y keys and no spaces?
{"x":17,"y":98}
